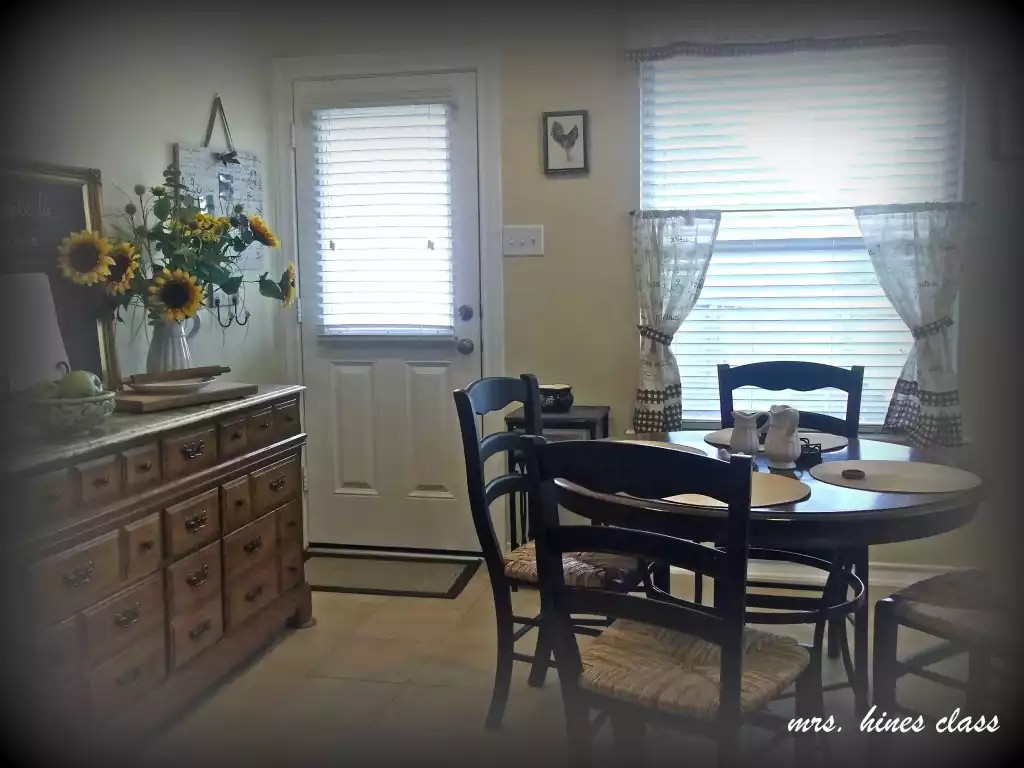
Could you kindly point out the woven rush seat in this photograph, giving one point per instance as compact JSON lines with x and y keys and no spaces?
{"x":678,"y":673}
{"x":582,"y":569}
{"x":960,"y":605}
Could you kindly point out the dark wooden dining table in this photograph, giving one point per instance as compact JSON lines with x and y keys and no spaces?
{"x":831,"y":518}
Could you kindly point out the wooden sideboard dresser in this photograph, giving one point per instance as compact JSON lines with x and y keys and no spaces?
{"x":149,"y":559}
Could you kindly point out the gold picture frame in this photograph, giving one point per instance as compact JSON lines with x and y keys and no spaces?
{"x":40,"y":206}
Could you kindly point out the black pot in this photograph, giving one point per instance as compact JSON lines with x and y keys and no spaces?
{"x":555,"y":398}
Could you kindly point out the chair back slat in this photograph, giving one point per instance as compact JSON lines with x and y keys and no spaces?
{"x":479,"y":398}
{"x":652,"y":546}
{"x":589,"y":478}
{"x":802,"y":376}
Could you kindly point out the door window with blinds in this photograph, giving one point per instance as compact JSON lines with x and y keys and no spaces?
{"x":812,"y":133}
{"x":383,"y":207}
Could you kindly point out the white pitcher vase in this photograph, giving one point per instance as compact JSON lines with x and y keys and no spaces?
{"x":168,"y":349}
{"x":782,"y":444}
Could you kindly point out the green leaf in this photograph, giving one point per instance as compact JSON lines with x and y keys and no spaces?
{"x":232,"y":284}
{"x":212,"y":273}
{"x":270,"y":289}
{"x":162,"y":208}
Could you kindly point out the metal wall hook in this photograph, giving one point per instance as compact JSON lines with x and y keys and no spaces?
{"x":231,"y":317}
{"x":243,"y":322}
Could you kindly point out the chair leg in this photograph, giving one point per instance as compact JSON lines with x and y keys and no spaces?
{"x":541,"y":657}
{"x":629,"y":734}
{"x":885,"y":673}
{"x":503,"y":666}
{"x":861,"y":640}
{"x":578,"y":730}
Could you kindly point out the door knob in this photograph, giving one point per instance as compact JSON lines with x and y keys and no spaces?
{"x":465,"y":346}
{"x":466,"y":312}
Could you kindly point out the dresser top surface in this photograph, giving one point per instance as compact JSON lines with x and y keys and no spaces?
{"x":121,"y":428}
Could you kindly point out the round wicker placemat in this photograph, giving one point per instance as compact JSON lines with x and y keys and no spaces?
{"x":828,"y":442}
{"x":896,"y":476}
{"x":766,"y":490}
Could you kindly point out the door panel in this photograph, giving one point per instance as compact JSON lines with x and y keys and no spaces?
{"x":384,"y":462}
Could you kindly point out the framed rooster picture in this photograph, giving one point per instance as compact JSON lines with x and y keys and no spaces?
{"x":565,"y":142}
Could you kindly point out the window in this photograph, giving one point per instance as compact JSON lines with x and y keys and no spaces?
{"x":797,"y":131}
{"x":383,"y":207}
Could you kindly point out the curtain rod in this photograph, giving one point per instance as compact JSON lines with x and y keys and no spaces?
{"x":796,"y":210}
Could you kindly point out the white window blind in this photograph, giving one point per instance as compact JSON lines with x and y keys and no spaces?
{"x":383,"y":207}
{"x":796,"y":131}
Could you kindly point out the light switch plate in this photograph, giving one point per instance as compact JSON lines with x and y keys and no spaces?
{"x":523,"y":240}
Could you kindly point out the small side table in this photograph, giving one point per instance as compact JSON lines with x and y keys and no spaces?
{"x":581,"y":422}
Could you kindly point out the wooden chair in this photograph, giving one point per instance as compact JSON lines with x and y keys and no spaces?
{"x":519,"y":568}
{"x":803,"y":377}
{"x":960,"y":609}
{"x":664,"y":659}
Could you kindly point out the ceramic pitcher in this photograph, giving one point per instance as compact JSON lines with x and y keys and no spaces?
{"x":168,"y":349}
{"x":745,"y":434}
{"x":782,"y":445}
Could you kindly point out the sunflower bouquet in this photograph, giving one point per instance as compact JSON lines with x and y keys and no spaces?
{"x":169,"y":254}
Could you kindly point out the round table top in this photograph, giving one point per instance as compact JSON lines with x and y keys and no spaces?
{"x":832,"y":516}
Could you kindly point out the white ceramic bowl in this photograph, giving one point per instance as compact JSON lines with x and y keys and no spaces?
{"x":72,"y":414}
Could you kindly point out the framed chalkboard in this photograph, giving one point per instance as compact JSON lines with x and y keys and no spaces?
{"x":41,"y":204}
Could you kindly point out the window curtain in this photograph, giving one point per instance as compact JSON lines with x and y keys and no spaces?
{"x":671,"y":253}
{"x":917,"y":253}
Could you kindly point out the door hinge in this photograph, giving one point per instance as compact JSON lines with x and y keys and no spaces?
{"x":298,"y":310}
{"x":292,"y":128}
{"x":305,"y":482}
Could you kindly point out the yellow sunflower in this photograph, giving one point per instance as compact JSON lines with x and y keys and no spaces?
{"x":289,"y":285}
{"x":126,"y":264}
{"x":84,"y":258}
{"x":262,"y":232}
{"x":175,"y":295}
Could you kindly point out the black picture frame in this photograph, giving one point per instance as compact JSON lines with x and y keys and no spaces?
{"x":553,"y":162}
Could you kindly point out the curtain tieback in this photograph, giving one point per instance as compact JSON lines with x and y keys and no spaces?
{"x":930,"y":329}
{"x":655,"y":335}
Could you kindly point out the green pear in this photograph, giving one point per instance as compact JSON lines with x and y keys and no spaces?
{"x":43,"y":390}
{"x":80,"y":384}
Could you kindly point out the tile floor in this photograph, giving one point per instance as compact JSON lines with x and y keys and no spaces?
{"x":395,"y":680}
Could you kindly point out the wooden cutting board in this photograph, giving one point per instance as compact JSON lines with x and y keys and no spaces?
{"x":130,"y":402}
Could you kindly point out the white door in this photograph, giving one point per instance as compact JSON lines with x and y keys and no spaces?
{"x":389,"y":266}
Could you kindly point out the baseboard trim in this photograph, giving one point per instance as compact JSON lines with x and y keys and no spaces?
{"x":454,"y":555}
{"x":891,"y":575}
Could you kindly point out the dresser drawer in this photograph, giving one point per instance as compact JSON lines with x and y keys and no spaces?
{"x":196,"y":631}
{"x":235,"y":505}
{"x":78,"y":577}
{"x":144,"y":550}
{"x":273,"y":486}
{"x":188,"y":453}
{"x":250,"y":546}
{"x":141,"y":467}
{"x":193,"y":523}
{"x":123,"y":619}
{"x":128,"y":675}
{"x":99,"y":480}
{"x":232,"y":437}
{"x":289,"y":523}
{"x":261,"y":428}
{"x":249,"y":593}
{"x":292,"y":564}
{"x":286,"y":420}
{"x":194,"y":579}
{"x":58,"y":646}
{"x":52,"y":494}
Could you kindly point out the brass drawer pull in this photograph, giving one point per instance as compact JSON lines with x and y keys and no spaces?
{"x":144,"y":466}
{"x":239,"y":503}
{"x":292,"y":568}
{"x":145,"y":546}
{"x":237,"y":435}
{"x":254,"y":546}
{"x":254,"y":593}
{"x":264,"y":425}
{"x":198,"y":577}
{"x":200,"y":629}
{"x":130,"y":677}
{"x":51,"y":498}
{"x":277,"y":485}
{"x":80,"y":575}
{"x":290,"y":524}
{"x":196,"y":522}
{"x":126,"y":618}
{"x":289,"y":418}
{"x":99,"y":482}
{"x":193,"y":450}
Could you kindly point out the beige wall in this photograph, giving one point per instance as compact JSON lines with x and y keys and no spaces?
{"x":570,"y":315}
